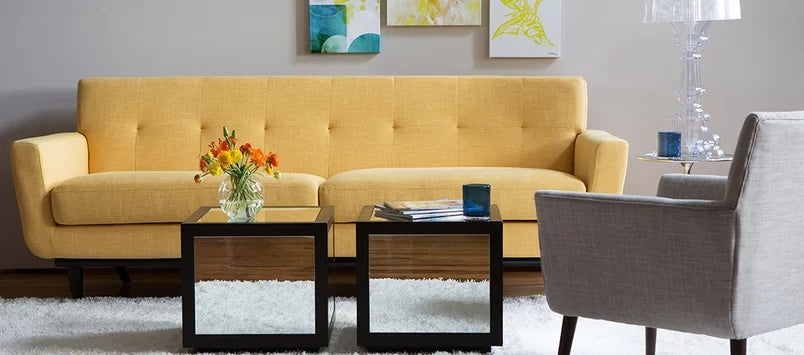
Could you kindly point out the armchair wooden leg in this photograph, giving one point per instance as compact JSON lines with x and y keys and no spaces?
{"x":650,"y":341}
{"x":738,"y":347}
{"x":123,"y":274}
{"x":567,"y":333}
{"x":75,"y":275}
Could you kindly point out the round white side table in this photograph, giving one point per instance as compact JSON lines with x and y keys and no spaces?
{"x":686,"y":163}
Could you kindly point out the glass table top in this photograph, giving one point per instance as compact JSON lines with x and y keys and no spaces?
{"x":367,"y":215}
{"x":655,"y":158}
{"x":266,"y":215}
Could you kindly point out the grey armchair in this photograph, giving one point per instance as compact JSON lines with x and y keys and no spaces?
{"x":710,"y":255}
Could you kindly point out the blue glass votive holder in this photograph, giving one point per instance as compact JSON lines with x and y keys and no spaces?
{"x":669,"y":144}
{"x":477,"y":201}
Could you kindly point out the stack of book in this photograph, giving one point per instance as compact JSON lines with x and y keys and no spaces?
{"x":420,"y":210}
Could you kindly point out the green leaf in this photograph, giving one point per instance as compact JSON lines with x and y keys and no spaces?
{"x":513,"y":4}
{"x":524,"y":21}
{"x":510,"y":27}
{"x":534,"y":30}
{"x":535,"y":8}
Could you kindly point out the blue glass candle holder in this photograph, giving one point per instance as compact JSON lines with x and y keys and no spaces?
{"x":669,"y":144}
{"x":477,"y":201}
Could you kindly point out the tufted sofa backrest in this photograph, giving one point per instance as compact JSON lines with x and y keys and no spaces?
{"x":324,"y":125}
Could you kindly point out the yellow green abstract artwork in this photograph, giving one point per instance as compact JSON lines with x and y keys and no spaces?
{"x":434,"y":12}
{"x":525,"y":28}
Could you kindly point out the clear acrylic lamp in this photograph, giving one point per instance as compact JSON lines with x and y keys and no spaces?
{"x":690,"y":19}
{"x":662,"y":11}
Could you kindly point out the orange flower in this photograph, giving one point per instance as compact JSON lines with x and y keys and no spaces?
{"x":197,"y":178}
{"x":258,"y":157}
{"x":202,"y":165}
{"x":214,"y":149}
{"x":273,"y":159}
{"x":245,"y":148}
{"x":223,"y":144}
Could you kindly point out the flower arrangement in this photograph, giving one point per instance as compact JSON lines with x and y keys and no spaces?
{"x":241,"y":195}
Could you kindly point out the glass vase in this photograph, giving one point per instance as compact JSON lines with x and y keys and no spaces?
{"x":240,"y":198}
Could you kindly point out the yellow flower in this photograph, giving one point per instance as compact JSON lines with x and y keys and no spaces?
{"x":236,"y":155}
{"x":272,"y":172}
{"x":225,"y":159}
{"x":215,"y":169}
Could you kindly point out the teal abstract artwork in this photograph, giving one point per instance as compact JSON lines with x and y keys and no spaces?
{"x":344,"y":26}
{"x":327,"y":28}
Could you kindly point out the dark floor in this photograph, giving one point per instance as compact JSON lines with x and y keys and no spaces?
{"x":166,"y":282}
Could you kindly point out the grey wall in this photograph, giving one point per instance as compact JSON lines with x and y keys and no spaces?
{"x":47,"y":45}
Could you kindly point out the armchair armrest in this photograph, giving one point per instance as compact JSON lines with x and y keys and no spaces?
{"x":641,"y":260}
{"x":701,"y":187}
{"x":600,"y":161}
{"x":37,"y":165}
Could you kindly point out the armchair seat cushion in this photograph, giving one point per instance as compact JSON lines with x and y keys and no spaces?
{"x":511,"y":188}
{"x":160,"y":196}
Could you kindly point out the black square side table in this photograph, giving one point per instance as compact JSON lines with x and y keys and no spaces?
{"x":263,"y":284}
{"x":422,"y":256}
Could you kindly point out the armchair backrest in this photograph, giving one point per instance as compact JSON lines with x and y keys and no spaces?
{"x":766,"y":187}
{"x":767,"y":174}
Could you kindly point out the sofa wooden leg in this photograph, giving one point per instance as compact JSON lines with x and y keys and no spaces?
{"x":567,"y":333}
{"x":738,"y":347}
{"x":75,"y":275}
{"x":122,"y":272}
{"x":650,"y":341}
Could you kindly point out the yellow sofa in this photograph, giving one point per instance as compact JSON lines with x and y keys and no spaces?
{"x":119,"y":186}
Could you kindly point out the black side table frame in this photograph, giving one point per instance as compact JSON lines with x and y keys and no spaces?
{"x":421,"y":341}
{"x":319,"y":229}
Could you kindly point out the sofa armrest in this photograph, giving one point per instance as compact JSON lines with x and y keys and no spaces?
{"x":699,"y":187}
{"x":600,"y":161}
{"x":37,"y":165}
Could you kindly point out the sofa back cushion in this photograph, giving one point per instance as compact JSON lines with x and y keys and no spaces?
{"x":325,"y":125}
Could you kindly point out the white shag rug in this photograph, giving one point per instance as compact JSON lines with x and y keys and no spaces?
{"x":397,"y":306}
{"x":253,"y":307}
{"x":434,"y":306}
{"x":153,"y":326}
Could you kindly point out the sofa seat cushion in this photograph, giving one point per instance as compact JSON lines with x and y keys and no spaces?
{"x":511,"y":188}
{"x":161,"y":196}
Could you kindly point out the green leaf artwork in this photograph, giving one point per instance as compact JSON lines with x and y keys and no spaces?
{"x":350,"y":8}
{"x":523,"y":21}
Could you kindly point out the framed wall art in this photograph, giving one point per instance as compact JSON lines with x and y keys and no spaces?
{"x":525,"y":28}
{"x":434,"y":12}
{"x":345,"y":26}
